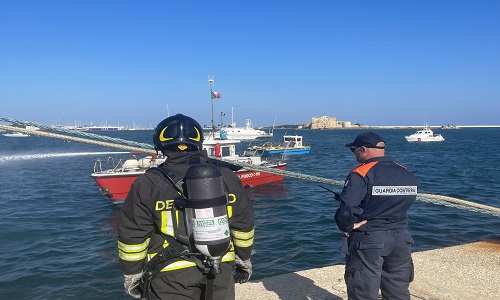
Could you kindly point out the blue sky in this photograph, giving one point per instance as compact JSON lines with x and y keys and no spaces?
{"x":133,"y":62}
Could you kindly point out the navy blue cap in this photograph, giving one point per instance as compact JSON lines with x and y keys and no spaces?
{"x":367,"y":139}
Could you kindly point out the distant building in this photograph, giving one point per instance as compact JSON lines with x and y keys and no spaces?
{"x":346,"y":124}
{"x":326,"y":122}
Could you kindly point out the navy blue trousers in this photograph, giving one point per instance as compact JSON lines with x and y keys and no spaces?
{"x":379,"y":260}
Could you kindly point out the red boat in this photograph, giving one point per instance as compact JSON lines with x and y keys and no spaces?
{"x":116,"y":181}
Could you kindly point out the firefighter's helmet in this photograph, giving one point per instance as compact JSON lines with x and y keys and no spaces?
{"x":178,"y":133}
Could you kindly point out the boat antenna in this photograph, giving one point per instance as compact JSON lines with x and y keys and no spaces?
{"x":210,"y":83}
{"x":232,"y":117}
{"x":222,"y":114}
{"x":272,"y":131}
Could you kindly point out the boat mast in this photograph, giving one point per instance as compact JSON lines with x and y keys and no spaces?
{"x":210,"y":83}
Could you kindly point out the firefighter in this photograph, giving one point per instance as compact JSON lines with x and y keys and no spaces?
{"x":154,"y":226}
{"x":373,"y":216}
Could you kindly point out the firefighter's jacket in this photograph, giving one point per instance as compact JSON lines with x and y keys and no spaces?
{"x":148,"y":214}
{"x":379,"y":191}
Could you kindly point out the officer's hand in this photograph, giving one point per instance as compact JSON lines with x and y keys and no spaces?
{"x":243,"y":270}
{"x":356,"y":226}
{"x":359,"y":224}
{"x":131,"y":285}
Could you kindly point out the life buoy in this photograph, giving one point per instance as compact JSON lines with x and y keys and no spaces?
{"x":217,"y":150}
{"x":299,"y":144}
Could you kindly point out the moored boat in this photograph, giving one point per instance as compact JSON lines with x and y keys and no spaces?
{"x":242,"y":133}
{"x":424,"y":135}
{"x":11,"y":133}
{"x":291,"y":145}
{"x":115,"y":181}
{"x":15,"y":134}
{"x":232,"y":132}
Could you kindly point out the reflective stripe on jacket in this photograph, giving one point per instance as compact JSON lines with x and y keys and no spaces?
{"x":148,"y":213}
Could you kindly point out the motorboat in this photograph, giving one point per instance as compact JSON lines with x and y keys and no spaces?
{"x":20,"y":134}
{"x":291,"y":145}
{"x":15,"y":134}
{"x":247,"y":133}
{"x":232,"y":132}
{"x":424,"y":135}
{"x":115,"y":181}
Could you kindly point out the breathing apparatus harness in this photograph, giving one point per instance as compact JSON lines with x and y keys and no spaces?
{"x":204,"y":205}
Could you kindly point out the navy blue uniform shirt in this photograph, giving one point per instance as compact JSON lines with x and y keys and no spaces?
{"x":379,"y":191}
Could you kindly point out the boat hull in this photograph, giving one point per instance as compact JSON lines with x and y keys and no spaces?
{"x":116,"y":186}
{"x":16,"y":134}
{"x":424,"y":139}
{"x":424,"y":135}
{"x":253,"y":178}
{"x":289,"y":151}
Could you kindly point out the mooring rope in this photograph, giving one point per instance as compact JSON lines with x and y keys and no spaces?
{"x":75,"y":139}
{"x":72,"y":132}
{"x":148,"y":149}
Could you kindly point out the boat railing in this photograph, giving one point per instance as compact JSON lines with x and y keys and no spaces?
{"x":98,"y":166}
{"x":120,"y":166}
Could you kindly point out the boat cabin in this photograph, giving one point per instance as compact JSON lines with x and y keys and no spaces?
{"x":220,"y":148}
{"x":292,"y":140}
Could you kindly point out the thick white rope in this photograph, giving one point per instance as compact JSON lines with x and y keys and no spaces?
{"x":430,"y":198}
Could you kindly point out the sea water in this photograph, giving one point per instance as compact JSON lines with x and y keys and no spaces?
{"x":58,"y":234}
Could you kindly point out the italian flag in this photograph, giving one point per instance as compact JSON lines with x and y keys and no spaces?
{"x":215,"y":95}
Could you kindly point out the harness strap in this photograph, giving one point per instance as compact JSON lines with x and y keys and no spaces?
{"x":152,"y":268}
{"x":209,"y":286}
{"x":172,"y":177}
{"x":175,"y":249}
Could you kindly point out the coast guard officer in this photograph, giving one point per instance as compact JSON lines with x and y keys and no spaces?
{"x":372,"y":214}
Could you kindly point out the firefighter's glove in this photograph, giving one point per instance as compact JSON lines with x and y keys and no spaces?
{"x":243,"y":270}
{"x":131,"y":285}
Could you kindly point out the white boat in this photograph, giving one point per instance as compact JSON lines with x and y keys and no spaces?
{"x":242,"y":133}
{"x":232,"y":132}
{"x":20,"y":134}
{"x":15,"y":134}
{"x":424,"y":135}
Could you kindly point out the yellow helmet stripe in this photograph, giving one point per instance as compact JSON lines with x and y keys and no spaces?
{"x":196,"y":139}
{"x":162,"y":138}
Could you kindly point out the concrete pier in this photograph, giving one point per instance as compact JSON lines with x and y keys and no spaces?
{"x":470,"y":271}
